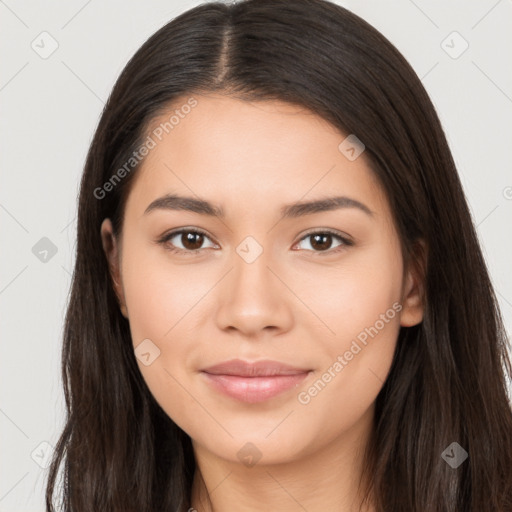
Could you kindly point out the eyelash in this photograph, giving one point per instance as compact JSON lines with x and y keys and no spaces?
{"x":164,"y":240}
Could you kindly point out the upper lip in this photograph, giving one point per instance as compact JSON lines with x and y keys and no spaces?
{"x":256,"y":369}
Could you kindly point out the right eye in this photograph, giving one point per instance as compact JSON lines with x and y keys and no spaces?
{"x":189,"y":238}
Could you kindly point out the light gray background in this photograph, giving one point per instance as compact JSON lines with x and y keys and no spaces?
{"x":50,"y":108}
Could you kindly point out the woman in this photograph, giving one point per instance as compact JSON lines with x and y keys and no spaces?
{"x":279,"y":300}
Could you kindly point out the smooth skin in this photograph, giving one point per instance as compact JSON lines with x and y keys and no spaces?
{"x":300,"y":302}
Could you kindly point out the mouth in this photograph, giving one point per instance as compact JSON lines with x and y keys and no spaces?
{"x":254,"y":382}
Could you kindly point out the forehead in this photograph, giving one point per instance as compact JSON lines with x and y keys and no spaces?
{"x":249,"y":155}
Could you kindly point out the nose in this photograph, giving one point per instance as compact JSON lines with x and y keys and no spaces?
{"x":254,"y":297}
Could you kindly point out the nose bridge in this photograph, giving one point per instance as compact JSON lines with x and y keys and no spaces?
{"x":253,"y":297}
{"x":251,"y":271}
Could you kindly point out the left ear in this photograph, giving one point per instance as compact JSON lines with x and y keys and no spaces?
{"x":413,"y":291}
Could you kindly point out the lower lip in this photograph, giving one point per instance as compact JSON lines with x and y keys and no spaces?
{"x":254,"y":389}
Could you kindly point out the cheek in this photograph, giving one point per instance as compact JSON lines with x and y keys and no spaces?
{"x":356,"y":294}
{"x":161,"y":296}
{"x":163,"y":302}
{"x":363,"y":310}
{"x":356,"y":364}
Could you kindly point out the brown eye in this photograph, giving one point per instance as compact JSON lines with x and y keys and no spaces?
{"x":192,"y":240}
{"x":186,"y":241}
{"x":322,"y":241}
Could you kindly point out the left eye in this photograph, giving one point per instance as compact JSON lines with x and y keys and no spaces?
{"x":322,"y":240}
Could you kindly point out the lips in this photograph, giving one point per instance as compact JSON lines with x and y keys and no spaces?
{"x":253,"y":382}
{"x":256,"y":369}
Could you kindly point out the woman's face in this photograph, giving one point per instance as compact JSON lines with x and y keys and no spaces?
{"x":260,"y":284}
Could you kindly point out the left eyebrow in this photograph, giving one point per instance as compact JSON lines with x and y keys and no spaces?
{"x":202,"y":207}
{"x":323,"y":205}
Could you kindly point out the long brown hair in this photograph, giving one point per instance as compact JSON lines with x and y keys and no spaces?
{"x":119,"y":451}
